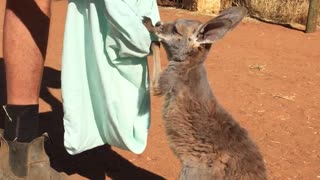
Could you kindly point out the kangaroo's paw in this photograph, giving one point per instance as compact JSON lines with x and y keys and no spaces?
{"x":148,"y":23}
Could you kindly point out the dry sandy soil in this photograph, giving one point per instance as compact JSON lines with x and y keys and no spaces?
{"x":267,"y":76}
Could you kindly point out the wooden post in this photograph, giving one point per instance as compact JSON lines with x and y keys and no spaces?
{"x":312,"y":16}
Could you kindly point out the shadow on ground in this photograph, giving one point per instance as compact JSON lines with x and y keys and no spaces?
{"x":94,"y":164}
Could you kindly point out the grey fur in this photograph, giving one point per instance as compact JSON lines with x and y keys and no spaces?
{"x":208,"y":141}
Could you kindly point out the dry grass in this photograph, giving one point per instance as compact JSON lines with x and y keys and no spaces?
{"x":281,"y":11}
{"x":278,"y":11}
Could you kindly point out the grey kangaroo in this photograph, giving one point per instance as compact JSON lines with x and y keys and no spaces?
{"x":208,"y":141}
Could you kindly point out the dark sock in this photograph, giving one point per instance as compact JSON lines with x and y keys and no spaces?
{"x":21,"y":122}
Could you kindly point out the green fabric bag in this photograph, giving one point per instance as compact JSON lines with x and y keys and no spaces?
{"x":105,"y":84}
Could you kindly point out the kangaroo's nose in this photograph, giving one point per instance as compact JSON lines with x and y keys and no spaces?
{"x":159,"y":24}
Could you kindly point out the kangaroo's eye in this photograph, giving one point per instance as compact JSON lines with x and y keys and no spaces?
{"x":175,"y":30}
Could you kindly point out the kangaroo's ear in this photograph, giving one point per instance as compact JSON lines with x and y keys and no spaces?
{"x":217,"y":27}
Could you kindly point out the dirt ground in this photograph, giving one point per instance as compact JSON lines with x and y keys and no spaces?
{"x":267,"y":76}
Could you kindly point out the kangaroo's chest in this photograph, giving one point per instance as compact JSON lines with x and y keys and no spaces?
{"x":186,"y":114}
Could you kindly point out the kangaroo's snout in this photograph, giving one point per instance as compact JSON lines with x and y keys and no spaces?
{"x":158,"y":28}
{"x":159,"y":23}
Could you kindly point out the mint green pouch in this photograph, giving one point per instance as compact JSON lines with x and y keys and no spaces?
{"x":105,"y":86}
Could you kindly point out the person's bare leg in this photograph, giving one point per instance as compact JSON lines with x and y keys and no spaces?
{"x":26,"y":28}
{"x":25,"y":40}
